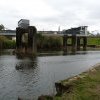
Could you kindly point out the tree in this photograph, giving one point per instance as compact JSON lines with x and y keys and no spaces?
{"x":2,"y":27}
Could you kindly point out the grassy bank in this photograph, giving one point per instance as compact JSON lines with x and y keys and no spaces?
{"x":93,"y":41}
{"x":85,"y":86}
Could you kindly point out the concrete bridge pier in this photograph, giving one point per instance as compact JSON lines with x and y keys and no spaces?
{"x":74,"y":43}
{"x":26,"y":40}
{"x":84,"y":43}
{"x":65,"y":44}
{"x":32,"y":45}
{"x":18,"y":38}
{"x":78,"y":43}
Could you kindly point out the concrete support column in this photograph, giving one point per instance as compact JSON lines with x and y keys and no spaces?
{"x":26,"y":40}
{"x":74,"y":42}
{"x":32,"y":39}
{"x":65,"y":44}
{"x":18,"y":38}
{"x":84,"y":43}
{"x":78,"y":43}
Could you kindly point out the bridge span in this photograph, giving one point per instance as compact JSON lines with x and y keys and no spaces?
{"x":44,"y":33}
{"x":13,"y":33}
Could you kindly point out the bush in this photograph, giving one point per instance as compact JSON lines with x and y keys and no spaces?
{"x":9,"y":44}
{"x":49,"y":42}
{"x":6,"y":43}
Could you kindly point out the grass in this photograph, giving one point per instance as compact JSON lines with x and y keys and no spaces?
{"x":86,"y":88}
{"x":90,"y":41}
{"x":93,"y":41}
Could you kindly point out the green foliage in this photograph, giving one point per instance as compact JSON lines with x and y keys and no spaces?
{"x":49,"y":42}
{"x":56,"y":42}
{"x":6,"y":43}
{"x":94,"y":41}
{"x":9,"y":44}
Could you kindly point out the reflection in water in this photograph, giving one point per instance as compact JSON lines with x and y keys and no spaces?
{"x":28,"y":73}
{"x":28,"y":63}
{"x":74,"y":53}
{"x":30,"y":77}
{"x":19,"y":77}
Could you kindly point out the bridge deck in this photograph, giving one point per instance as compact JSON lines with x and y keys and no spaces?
{"x":69,"y":35}
{"x":8,"y":34}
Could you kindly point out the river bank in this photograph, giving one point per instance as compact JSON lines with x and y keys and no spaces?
{"x":85,"y":86}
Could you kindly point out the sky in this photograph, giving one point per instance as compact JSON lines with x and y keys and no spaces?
{"x":50,"y":14}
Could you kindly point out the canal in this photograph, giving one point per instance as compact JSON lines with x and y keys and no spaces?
{"x":30,"y":77}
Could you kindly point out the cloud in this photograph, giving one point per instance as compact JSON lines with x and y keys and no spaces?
{"x":49,"y":14}
{"x":77,"y":12}
{"x":17,"y":9}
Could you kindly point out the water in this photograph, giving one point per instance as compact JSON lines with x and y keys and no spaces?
{"x":28,"y":78}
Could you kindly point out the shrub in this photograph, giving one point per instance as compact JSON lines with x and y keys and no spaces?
{"x":6,"y":43}
{"x":49,"y":42}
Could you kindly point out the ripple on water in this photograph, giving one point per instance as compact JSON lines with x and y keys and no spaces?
{"x":31,"y":77}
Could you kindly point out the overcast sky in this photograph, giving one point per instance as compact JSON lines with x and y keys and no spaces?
{"x":50,"y":14}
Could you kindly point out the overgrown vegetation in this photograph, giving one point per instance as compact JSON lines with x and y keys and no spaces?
{"x":49,"y":42}
{"x":46,"y":42}
{"x":6,"y":43}
{"x":56,"y":42}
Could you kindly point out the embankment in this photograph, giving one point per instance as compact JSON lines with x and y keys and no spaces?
{"x":85,"y":86}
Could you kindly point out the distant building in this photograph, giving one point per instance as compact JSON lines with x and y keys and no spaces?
{"x":79,"y":30}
